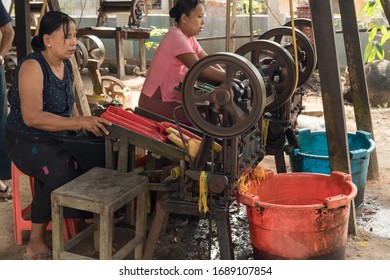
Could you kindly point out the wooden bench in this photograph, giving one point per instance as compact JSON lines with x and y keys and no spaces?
{"x":100,"y":191}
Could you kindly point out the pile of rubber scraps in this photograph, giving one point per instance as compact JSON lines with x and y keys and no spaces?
{"x":160,"y":131}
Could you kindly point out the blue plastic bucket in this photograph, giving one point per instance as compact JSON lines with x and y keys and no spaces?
{"x":312,"y":156}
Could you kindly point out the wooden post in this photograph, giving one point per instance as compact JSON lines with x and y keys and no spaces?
{"x":361,"y":102}
{"x":142,"y":54}
{"x":332,"y":98}
{"x":228,"y":30}
{"x":93,"y":68}
{"x":120,"y":60}
{"x":23,"y":28}
{"x":81,"y":98}
{"x":54,"y":5}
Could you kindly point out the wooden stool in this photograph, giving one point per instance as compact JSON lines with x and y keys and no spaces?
{"x":100,"y":191}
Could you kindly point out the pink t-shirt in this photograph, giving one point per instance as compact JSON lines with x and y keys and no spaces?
{"x":166,"y":70}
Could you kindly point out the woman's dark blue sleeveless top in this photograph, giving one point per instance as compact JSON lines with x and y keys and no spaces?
{"x":58,"y":98}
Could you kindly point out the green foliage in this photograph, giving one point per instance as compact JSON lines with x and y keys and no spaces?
{"x":155,"y":34}
{"x":258,"y":7}
{"x":378,"y":34}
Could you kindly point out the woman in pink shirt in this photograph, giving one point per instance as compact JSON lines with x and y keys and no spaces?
{"x":176,"y":53}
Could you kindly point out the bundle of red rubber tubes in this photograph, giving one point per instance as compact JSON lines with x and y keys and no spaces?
{"x":159,"y":131}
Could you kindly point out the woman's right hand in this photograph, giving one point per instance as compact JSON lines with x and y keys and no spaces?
{"x":94,"y":124}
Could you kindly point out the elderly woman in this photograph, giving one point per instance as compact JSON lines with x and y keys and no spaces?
{"x":43,"y":120}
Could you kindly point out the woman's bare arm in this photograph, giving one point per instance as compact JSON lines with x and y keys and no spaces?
{"x":212,"y":73}
{"x":31,"y":102}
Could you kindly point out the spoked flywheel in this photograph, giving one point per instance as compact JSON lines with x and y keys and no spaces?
{"x":230,"y":108}
{"x":304,"y":25}
{"x":307,"y":59}
{"x":277,"y":68}
{"x":81,"y":55}
{"x":94,"y":46}
{"x":139,"y":11}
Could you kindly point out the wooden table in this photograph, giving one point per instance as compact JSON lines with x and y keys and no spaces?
{"x":119,"y":34}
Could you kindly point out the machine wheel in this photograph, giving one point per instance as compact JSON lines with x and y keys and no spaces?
{"x":277,"y":68}
{"x":139,"y":11}
{"x":230,"y":108}
{"x":81,"y":55}
{"x":113,"y":87}
{"x":94,"y":46}
{"x":307,"y":58}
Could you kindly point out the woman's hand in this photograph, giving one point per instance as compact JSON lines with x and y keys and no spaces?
{"x":94,"y":124}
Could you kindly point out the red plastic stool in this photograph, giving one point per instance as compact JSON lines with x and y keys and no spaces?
{"x":21,"y":224}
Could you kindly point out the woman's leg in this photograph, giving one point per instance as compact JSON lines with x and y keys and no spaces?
{"x":51,"y":166}
{"x":36,"y":247}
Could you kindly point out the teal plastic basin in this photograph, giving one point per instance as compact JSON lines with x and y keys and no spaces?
{"x":312,"y":156}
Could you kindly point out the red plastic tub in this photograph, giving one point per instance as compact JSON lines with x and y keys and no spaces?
{"x":299,"y":215}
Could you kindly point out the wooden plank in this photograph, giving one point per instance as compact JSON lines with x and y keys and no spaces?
{"x":159,"y":148}
{"x":93,"y":68}
{"x":140,"y":229}
{"x":120,"y":61}
{"x":109,"y":153}
{"x":57,"y":233}
{"x":81,"y":98}
{"x":123,"y":155}
{"x":54,"y":5}
{"x":22,"y":29}
{"x":142,"y":54}
{"x":129,"y":247}
{"x":106,"y":226}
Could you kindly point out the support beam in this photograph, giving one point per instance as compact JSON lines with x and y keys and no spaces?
{"x":361,"y":102}
{"x":81,"y":97}
{"x":54,"y":5}
{"x":22,"y":23}
{"x":251,"y":20}
{"x":332,"y":98}
{"x":228,"y":24}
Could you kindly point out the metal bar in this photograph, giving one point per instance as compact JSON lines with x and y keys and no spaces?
{"x":332,"y":98}
{"x":361,"y":102}
{"x":224,"y":37}
{"x":360,"y":30}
